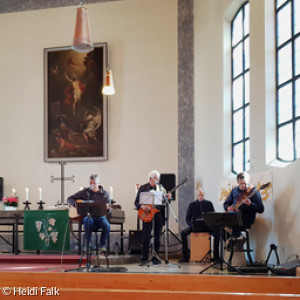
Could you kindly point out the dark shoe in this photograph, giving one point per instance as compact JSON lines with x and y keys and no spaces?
{"x":240,"y":244}
{"x":143,"y":262}
{"x":231,"y":245}
{"x":156,"y":261}
{"x":184,"y":260}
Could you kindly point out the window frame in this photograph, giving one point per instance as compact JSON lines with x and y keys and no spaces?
{"x":293,"y":120}
{"x":243,"y":74}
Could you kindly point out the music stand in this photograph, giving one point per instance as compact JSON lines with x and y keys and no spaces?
{"x":90,"y":208}
{"x":95,"y":209}
{"x":221,"y":220}
{"x":151,"y":198}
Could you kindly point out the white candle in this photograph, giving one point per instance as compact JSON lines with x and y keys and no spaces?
{"x":111,"y":192}
{"x":13,"y":192}
{"x":40,"y":190}
{"x":27,"y":194}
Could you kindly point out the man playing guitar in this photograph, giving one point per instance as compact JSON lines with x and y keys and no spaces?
{"x":153,"y":185}
{"x":95,"y":193}
{"x":244,"y":199}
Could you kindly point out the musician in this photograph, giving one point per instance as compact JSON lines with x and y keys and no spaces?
{"x":195,"y":211}
{"x":153,"y":185}
{"x":94,"y":192}
{"x":249,"y":207}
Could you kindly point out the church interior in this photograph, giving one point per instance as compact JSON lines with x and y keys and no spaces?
{"x":171,"y":63}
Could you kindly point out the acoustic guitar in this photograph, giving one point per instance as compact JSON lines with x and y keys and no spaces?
{"x":147,"y":216}
{"x":75,"y":216}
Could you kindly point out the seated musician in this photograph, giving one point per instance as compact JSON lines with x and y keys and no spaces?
{"x":247,"y":207}
{"x":153,"y":185}
{"x":96,"y":193}
{"x":194,"y":212}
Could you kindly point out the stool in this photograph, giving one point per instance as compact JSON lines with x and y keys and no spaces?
{"x":200,"y":245}
{"x":247,"y":250}
{"x":94,"y":249}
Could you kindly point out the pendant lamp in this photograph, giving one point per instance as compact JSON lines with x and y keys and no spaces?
{"x":82,"y":41}
{"x":108,"y":88}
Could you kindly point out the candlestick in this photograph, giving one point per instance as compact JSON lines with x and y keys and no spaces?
{"x":13,"y":192}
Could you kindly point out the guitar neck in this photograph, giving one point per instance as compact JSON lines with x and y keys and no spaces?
{"x":176,"y":187}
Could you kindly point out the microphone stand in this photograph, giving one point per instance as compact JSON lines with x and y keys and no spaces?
{"x":88,"y":253}
{"x":167,"y":207}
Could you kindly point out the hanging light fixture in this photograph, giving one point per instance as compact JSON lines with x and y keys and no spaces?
{"x":108,"y":88}
{"x":82,"y":41}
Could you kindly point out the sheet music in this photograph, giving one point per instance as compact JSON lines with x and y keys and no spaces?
{"x":153,"y":197}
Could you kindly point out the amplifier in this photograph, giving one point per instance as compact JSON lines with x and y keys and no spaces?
{"x":117,"y":213}
{"x":117,"y":216}
{"x":135,"y":242}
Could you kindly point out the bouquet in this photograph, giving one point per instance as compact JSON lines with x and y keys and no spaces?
{"x":10,"y":201}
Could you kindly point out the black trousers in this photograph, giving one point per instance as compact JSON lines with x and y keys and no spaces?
{"x":146,"y":234}
{"x":184,"y":237}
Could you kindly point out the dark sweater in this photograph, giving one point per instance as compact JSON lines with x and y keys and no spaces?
{"x":248,"y":212}
{"x":87,"y":194}
{"x":195,"y":210}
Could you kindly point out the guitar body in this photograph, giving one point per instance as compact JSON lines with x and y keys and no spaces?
{"x":147,"y":216}
{"x":73,"y":213}
{"x":75,"y":216}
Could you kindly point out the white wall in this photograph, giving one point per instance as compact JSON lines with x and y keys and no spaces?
{"x":142,"y":128}
{"x":280,"y":222}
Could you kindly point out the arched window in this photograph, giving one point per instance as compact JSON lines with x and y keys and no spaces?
{"x":288,"y":79}
{"x":240,"y":69}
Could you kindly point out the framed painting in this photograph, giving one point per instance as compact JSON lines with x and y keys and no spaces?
{"x":75,"y":110}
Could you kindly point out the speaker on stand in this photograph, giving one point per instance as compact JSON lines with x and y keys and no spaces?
{"x":168,"y":180}
{"x":1,"y":187}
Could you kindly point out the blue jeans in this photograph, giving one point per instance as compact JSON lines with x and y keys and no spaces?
{"x":93,"y":225}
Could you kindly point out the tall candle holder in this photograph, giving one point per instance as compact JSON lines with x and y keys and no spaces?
{"x":26,"y":203}
{"x":40,"y":203}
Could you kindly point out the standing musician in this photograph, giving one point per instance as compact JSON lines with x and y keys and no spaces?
{"x":247,"y":207}
{"x":153,"y":185}
{"x":94,"y":192}
{"x":195,"y":211}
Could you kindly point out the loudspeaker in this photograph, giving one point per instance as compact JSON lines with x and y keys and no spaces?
{"x":169,"y":182}
{"x":135,"y":242}
{"x":1,"y":188}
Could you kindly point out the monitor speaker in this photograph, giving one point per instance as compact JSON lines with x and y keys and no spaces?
{"x":135,"y":241}
{"x":1,"y":188}
{"x":168,"y":180}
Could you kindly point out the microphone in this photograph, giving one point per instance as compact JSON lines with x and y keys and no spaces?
{"x":90,"y":188}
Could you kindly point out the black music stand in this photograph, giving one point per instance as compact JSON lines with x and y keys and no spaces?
{"x":90,"y":208}
{"x":222,"y":220}
{"x":151,"y":198}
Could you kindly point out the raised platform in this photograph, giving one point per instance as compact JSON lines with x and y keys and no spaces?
{"x":147,"y":286}
{"x":63,"y":259}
